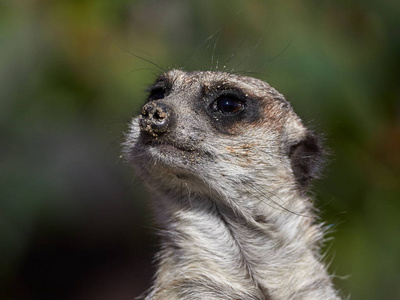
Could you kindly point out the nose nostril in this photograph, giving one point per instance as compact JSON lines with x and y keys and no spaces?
{"x":160,"y":114}
{"x":147,"y":110}
{"x":145,"y":113}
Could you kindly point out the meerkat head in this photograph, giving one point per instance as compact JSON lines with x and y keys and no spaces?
{"x":214,"y":132}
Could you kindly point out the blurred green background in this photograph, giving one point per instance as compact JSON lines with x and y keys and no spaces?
{"x":74,"y":221}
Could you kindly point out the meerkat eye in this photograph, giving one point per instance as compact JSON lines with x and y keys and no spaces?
{"x":157,"y":93}
{"x":228,"y":104}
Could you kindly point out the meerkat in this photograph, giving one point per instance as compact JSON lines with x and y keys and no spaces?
{"x":228,"y":163}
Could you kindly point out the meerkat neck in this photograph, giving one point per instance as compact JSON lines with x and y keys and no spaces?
{"x":210,"y":252}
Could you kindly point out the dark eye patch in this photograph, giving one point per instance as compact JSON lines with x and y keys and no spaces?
{"x":231,"y":107}
{"x":229,"y":104}
{"x":158,"y":91}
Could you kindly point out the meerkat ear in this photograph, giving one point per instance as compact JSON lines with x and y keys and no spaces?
{"x":306,"y":159}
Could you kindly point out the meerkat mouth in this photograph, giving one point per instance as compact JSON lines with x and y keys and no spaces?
{"x":168,"y":145}
{"x":165,"y":146}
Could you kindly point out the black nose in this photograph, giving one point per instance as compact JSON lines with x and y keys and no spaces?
{"x":155,"y":118}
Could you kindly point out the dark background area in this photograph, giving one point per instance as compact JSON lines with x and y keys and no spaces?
{"x":74,"y":221}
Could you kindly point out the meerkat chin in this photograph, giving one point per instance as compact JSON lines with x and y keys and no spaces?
{"x":228,"y":163}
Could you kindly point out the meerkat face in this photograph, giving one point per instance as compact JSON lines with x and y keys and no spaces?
{"x":218,"y":130}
